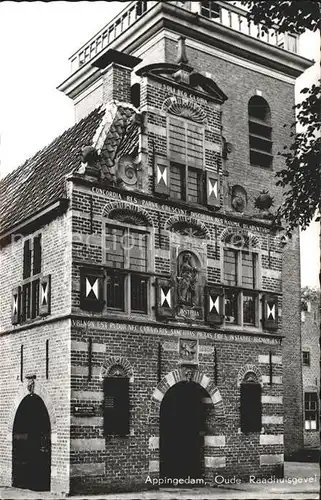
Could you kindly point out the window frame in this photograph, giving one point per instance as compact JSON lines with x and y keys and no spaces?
{"x":239,"y":288}
{"x":309,"y":410}
{"x":306,"y":351}
{"x":187,"y":165}
{"x":126,"y":271}
{"x":263,"y":154}
{"x":31,"y":283}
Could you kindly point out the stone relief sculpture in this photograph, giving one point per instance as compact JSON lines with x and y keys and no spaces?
{"x":186,"y":281}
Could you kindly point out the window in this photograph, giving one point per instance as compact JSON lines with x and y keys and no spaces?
{"x":186,"y":153}
{"x":311,"y":411}
{"x":306,"y":358}
{"x":31,"y":284}
{"x":127,"y":251}
{"x":210,"y":9}
{"x":260,"y":132}
{"x":251,"y":408}
{"x":116,"y":405}
{"x":186,"y":183}
{"x":241,"y":305}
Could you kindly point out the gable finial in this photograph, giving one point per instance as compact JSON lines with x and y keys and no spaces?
{"x":181,"y":51}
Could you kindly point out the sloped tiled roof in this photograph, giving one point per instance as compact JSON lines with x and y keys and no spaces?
{"x":40,"y":181}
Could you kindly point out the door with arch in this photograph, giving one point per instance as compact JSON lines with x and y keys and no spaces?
{"x":31,"y":445}
{"x":182,"y":429}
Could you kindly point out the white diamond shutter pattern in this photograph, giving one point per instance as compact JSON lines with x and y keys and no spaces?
{"x":270,"y":308}
{"x":45,"y":295}
{"x":214,"y":305}
{"x":91,"y":289}
{"x":165,"y":298}
{"x":212,"y":189}
{"x":15,"y":306}
{"x":161,"y":175}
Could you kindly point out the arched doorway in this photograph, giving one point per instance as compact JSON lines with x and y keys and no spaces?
{"x":182,"y":428}
{"x":31,"y":445}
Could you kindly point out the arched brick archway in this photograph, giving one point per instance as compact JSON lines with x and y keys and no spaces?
{"x":172,"y":378}
{"x":40,"y":391}
{"x":43,"y":394}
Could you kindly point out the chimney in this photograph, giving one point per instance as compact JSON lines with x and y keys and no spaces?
{"x":116,"y":68}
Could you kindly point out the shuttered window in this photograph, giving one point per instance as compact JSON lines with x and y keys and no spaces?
{"x":251,"y":408}
{"x":116,"y":406}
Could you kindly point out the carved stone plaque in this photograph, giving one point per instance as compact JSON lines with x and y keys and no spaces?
{"x":188,"y":351}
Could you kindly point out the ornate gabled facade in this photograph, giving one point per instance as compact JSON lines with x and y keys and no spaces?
{"x":148,"y":305}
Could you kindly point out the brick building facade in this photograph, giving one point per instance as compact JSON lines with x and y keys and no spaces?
{"x":147,"y":304}
{"x":310,"y":319}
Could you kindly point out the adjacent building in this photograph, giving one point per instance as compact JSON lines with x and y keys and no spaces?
{"x":150,"y":313}
{"x":310,"y":318}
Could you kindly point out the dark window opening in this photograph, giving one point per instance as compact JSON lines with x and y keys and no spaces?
{"x":138,"y":294}
{"x":35,"y":298}
{"x":26,"y":301}
{"x":251,"y":408}
{"x":116,"y":406}
{"x":248,"y":309}
{"x":135,"y":95}
{"x":115,"y":292}
{"x":306,"y":358}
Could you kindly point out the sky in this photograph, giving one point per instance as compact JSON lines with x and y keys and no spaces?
{"x":36,"y":40}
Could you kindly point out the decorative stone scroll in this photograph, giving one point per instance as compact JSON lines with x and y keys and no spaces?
{"x":184,"y":107}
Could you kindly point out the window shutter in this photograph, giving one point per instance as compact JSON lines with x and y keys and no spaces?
{"x":251,"y":408}
{"x":37,"y":254}
{"x":91,"y":289}
{"x":26,"y":259}
{"x":165,"y":298}
{"x":45,"y":295}
{"x":161,"y":175}
{"x":16,"y":305}
{"x":212,"y":189}
{"x":270,"y":312}
{"x":116,"y":406}
{"x":214,"y":305}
